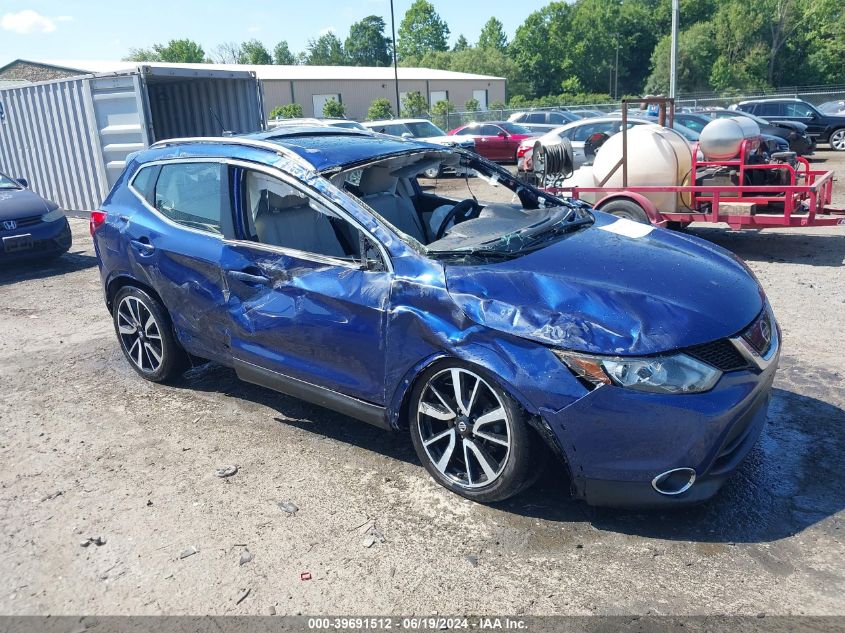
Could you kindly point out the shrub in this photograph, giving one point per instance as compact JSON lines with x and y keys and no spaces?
{"x":333,"y":109}
{"x":379,"y":109}
{"x":414,"y":105}
{"x":287,"y":111}
{"x":472,"y":105}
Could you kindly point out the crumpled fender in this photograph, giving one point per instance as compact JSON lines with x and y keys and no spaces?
{"x":618,"y":287}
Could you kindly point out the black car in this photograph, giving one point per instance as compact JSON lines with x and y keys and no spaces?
{"x":30,"y":226}
{"x":793,"y":132}
{"x":823,"y":128}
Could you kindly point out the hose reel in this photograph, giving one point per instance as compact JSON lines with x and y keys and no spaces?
{"x":556,"y":161}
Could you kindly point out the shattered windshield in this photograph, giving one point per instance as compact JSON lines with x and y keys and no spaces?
{"x":452,"y":204}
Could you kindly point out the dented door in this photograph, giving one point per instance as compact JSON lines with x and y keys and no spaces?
{"x":308,"y":318}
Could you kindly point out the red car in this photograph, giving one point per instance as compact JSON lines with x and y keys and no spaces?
{"x":495,"y":140}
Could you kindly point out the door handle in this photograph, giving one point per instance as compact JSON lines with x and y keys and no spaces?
{"x":248,"y":278}
{"x":143,"y":246}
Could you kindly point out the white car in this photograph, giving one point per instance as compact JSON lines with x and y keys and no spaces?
{"x":344,"y":123}
{"x":577,"y":132}
{"x":423,"y":130}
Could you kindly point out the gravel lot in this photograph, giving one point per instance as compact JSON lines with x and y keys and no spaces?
{"x":91,"y":450}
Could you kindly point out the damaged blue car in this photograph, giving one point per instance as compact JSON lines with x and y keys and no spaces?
{"x":314,"y":262}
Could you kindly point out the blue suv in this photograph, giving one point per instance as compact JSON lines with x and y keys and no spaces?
{"x":312,"y":262}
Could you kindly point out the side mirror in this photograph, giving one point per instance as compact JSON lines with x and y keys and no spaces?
{"x":407,"y":135}
{"x":502,"y":134}
{"x":22,"y":182}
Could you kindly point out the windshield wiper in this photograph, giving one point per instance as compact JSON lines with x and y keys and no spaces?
{"x":476,"y":252}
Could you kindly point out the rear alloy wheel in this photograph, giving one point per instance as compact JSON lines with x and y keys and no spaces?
{"x":627,"y":209}
{"x":837,"y":140}
{"x":470,"y":435}
{"x":143,"y":328}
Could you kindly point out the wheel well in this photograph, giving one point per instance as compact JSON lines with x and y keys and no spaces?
{"x":121,"y":282}
{"x":536,"y":424}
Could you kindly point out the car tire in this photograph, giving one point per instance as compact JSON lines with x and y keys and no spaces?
{"x":837,"y":139}
{"x":145,"y":333}
{"x":447,"y":436}
{"x":627,"y":209}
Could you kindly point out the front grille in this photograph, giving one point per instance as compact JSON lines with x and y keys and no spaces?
{"x":721,"y":354}
{"x":27,"y":221}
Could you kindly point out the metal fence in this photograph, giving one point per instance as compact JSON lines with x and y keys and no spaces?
{"x":812,"y":94}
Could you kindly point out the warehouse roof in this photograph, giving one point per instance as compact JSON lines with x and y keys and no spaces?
{"x":270,"y":72}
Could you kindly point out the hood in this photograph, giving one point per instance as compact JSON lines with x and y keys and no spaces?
{"x":617,"y":287}
{"x":22,"y":203}
{"x":791,"y":125}
{"x":448,"y":140}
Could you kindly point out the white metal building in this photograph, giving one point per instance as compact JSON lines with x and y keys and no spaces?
{"x":311,"y":86}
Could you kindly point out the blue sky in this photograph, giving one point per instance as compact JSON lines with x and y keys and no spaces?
{"x":106,"y":30}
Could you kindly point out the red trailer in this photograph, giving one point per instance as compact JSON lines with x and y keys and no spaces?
{"x":802,"y":198}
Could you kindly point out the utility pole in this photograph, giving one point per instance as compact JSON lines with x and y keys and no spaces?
{"x":616,"y":80}
{"x":673,"y":59}
{"x":395,"y":65}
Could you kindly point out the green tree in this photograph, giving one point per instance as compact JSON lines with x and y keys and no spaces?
{"x":496,"y":105}
{"x":326,"y":50}
{"x":282,"y":54}
{"x":493,"y":36}
{"x":440,"y":113}
{"x":414,"y":105}
{"x":472,"y":105}
{"x":537,"y":51}
{"x":254,"y":52}
{"x":287,"y":111}
{"x":334,"y":109}
{"x":379,"y":109}
{"x":421,"y":30}
{"x":226,"y":53}
{"x":182,"y":51}
{"x":367,"y":45}
{"x":461,"y":44}
{"x":490,"y":62}
{"x":696,"y":52}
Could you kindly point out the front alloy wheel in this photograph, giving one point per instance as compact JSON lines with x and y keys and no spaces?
{"x":470,"y":435}
{"x":837,"y":140}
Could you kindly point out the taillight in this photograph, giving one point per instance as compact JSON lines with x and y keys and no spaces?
{"x":520,"y":151}
{"x":98,"y":219}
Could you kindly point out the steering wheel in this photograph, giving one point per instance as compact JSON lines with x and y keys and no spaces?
{"x":464,"y":210}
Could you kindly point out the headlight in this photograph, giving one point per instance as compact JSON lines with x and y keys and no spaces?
{"x":676,"y":373}
{"x":52,"y":216}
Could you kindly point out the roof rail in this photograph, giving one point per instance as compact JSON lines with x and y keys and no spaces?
{"x":235,"y":140}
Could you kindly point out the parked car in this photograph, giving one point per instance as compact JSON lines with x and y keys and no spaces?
{"x":347,"y":123}
{"x":30,"y":226}
{"x":823,"y":128}
{"x":577,"y":133}
{"x":424,"y":130}
{"x":792,"y":132}
{"x":833,"y":107}
{"x":586,"y":114}
{"x":483,"y":331}
{"x":543,"y":120}
{"x":495,"y":140}
{"x":696,"y":121}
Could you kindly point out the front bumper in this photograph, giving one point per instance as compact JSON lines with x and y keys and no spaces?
{"x":617,"y":441}
{"x":48,"y":239}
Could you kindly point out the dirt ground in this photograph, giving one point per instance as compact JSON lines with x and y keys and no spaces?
{"x":89,"y":450}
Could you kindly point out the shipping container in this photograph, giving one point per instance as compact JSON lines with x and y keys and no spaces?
{"x":70,"y":137}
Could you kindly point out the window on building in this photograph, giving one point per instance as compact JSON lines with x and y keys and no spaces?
{"x":435,"y":96}
{"x":319,"y":102}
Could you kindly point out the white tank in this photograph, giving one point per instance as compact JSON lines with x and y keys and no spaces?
{"x":657,"y":156}
{"x":721,"y":139}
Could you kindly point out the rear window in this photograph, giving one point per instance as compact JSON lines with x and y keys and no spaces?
{"x":193,"y":194}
